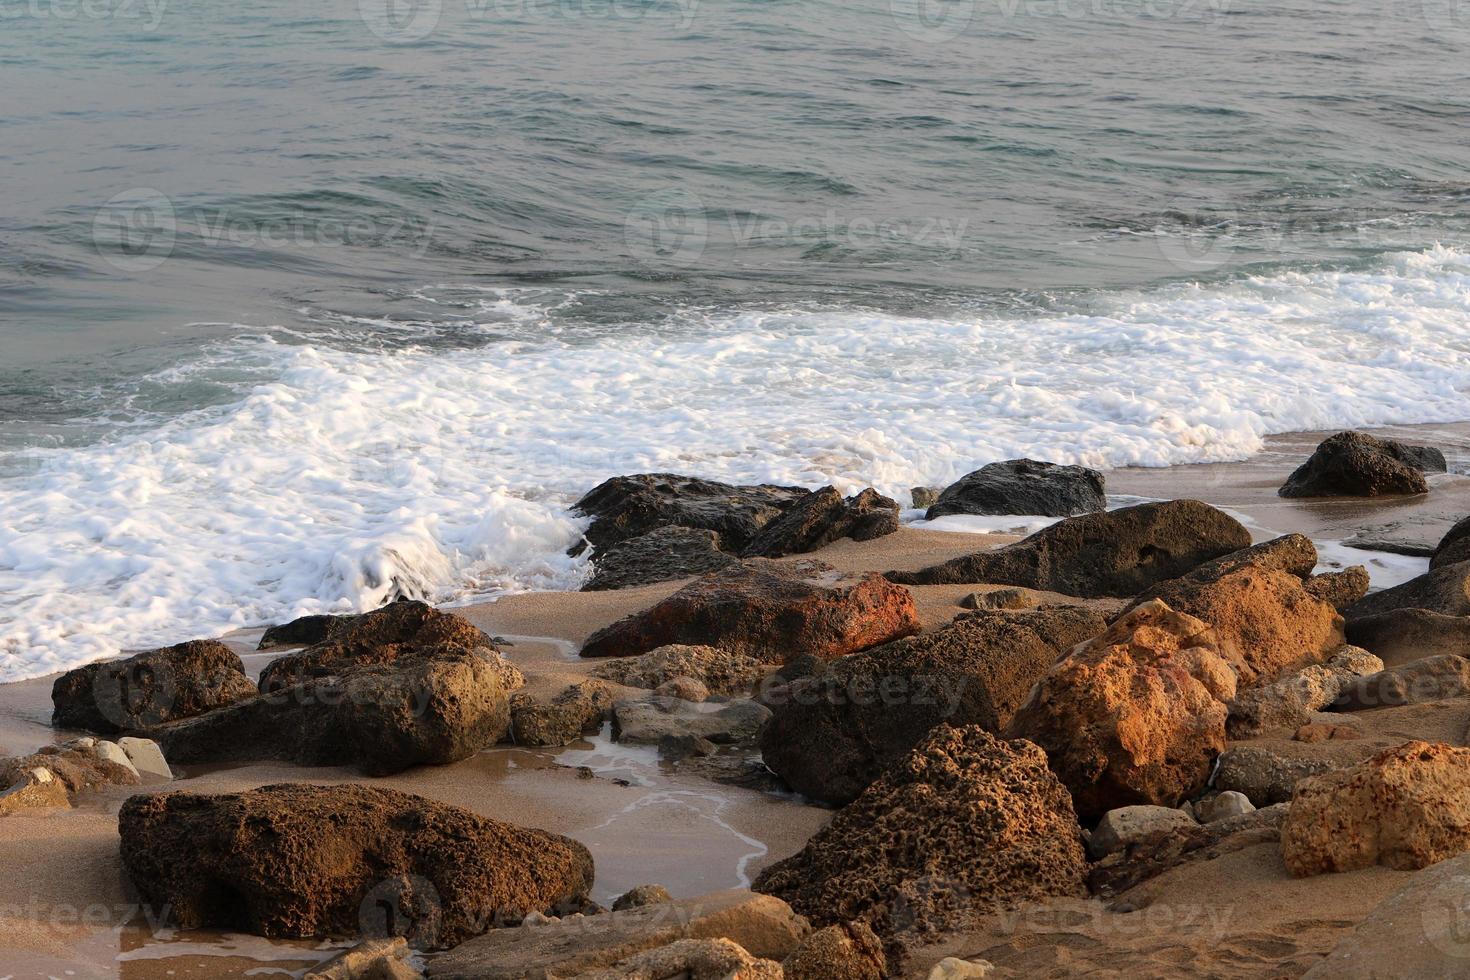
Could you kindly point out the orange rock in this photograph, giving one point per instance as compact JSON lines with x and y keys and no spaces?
{"x":1407,"y":808}
{"x":1135,"y":715}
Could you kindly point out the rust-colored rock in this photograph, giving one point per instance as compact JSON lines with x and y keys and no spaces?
{"x":965,"y":824}
{"x":832,"y":734}
{"x":769,"y":611}
{"x":1407,"y":807}
{"x":1116,"y":553}
{"x":295,"y":860}
{"x":149,"y":688}
{"x":1135,"y":715}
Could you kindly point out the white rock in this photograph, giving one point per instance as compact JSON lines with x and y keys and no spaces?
{"x":1228,"y":804}
{"x":146,"y":757}
{"x":954,"y":968}
{"x":42,"y":775}
{"x":1130,"y":824}
{"x":112,"y":752}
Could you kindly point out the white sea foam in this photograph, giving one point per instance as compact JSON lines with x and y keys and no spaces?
{"x":353,"y":476}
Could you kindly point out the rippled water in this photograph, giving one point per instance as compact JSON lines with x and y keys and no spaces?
{"x":304,"y":306}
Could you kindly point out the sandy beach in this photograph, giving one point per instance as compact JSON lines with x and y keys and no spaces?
{"x":67,"y":909}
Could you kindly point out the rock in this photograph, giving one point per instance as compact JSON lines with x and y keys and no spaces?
{"x":577,"y":711}
{"x":1290,"y":701}
{"x":1266,"y":621}
{"x":765,"y":926}
{"x":300,"y":632}
{"x":658,"y":556}
{"x":34,"y":788}
{"x":112,"y":753}
{"x":1353,"y":464}
{"x":1430,"y":679}
{"x":1407,"y":807}
{"x":683,"y":688}
{"x":149,"y":688}
{"x":768,"y":611}
{"x":1000,"y":599}
{"x":831,"y":735}
{"x":1340,"y":589}
{"x":1444,"y":590}
{"x":1417,"y":933}
{"x":954,"y":968}
{"x":1023,"y":486}
{"x":295,"y":860}
{"x":1453,"y":547}
{"x":691,"y":959}
{"x":399,"y":630}
{"x":846,"y":951}
{"x":677,"y":748}
{"x":720,"y":671}
{"x":1263,"y":776}
{"x":641,"y":896}
{"x":424,"y":709}
{"x":964,"y":825}
{"x":76,"y":767}
{"x":1152,"y":855}
{"x":1318,"y":731}
{"x":1403,"y":635}
{"x":1228,"y":804}
{"x":654,"y":718}
{"x":1415,"y":537}
{"x":371,"y":959}
{"x":1135,"y":715}
{"x":1116,"y":553}
{"x":628,"y":506}
{"x":821,"y":518}
{"x":922,"y":498}
{"x":1118,"y":829}
{"x":146,"y":757}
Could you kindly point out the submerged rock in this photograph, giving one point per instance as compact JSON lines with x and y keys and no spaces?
{"x":1117,"y":553}
{"x":1023,"y":486}
{"x":629,"y":506}
{"x":821,"y":518}
{"x":769,"y":611}
{"x":295,"y":860}
{"x":658,"y":556}
{"x":149,"y":688}
{"x":1354,"y":464}
{"x":832,"y":734}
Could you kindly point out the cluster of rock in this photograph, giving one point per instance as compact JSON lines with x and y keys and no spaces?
{"x":56,"y":776}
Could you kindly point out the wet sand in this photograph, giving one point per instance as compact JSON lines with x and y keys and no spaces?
{"x":66,"y":908}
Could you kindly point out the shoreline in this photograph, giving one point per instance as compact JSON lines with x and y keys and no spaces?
{"x":645,"y":824}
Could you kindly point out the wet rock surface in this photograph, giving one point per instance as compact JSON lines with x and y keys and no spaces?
{"x":1023,"y":486}
{"x":628,"y":506}
{"x":149,"y":688}
{"x":1354,"y":464}
{"x":821,"y":518}
{"x":658,"y":556}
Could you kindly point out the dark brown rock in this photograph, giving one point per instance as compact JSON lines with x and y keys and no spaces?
{"x":1264,"y":776}
{"x":963,"y":825}
{"x":628,"y":506}
{"x":150,"y":688}
{"x":1152,"y":856}
{"x":1445,"y":590}
{"x":1024,"y":486}
{"x":294,"y":860}
{"x":769,"y":611}
{"x":1354,"y":464}
{"x":821,"y":518}
{"x":1404,"y":635}
{"x":831,"y":735}
{"x":1454,"y":546}
{"x":658,"y":556}
{"x":1117,"y":553}
{"x":302,"y":631}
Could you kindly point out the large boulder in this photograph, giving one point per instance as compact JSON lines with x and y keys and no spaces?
{"x":833,"y":733}
{"x":720,"y":671}
{"x":1023,"y":486}
{"x":658,"y":556}
{"x":1354,"y":464}
{"x":149,"y":688}
{"x":1266,"y":620}
{"x":628,"y":506}
{"x":765,"y":926}
{"x":1444,"y":590}
{"x":965,"y":824}
{"x":1429,"y":679}
{"x":770,"y":611}
{"x":295,"y":860}
{"x":1404,"y":635}
{"x":821,"y":518}
{"x":424,"y":708}
{"x":1135,"y":715}
{"x":1290,"y":701}
{"x":1407,"y":807}
{"x":1454,"y":546}
{"x":1117,"y":553}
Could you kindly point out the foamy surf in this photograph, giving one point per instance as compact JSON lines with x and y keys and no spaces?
{"x":349,"y":477}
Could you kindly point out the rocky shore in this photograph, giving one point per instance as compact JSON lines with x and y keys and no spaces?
{"x":1206,"y":720}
